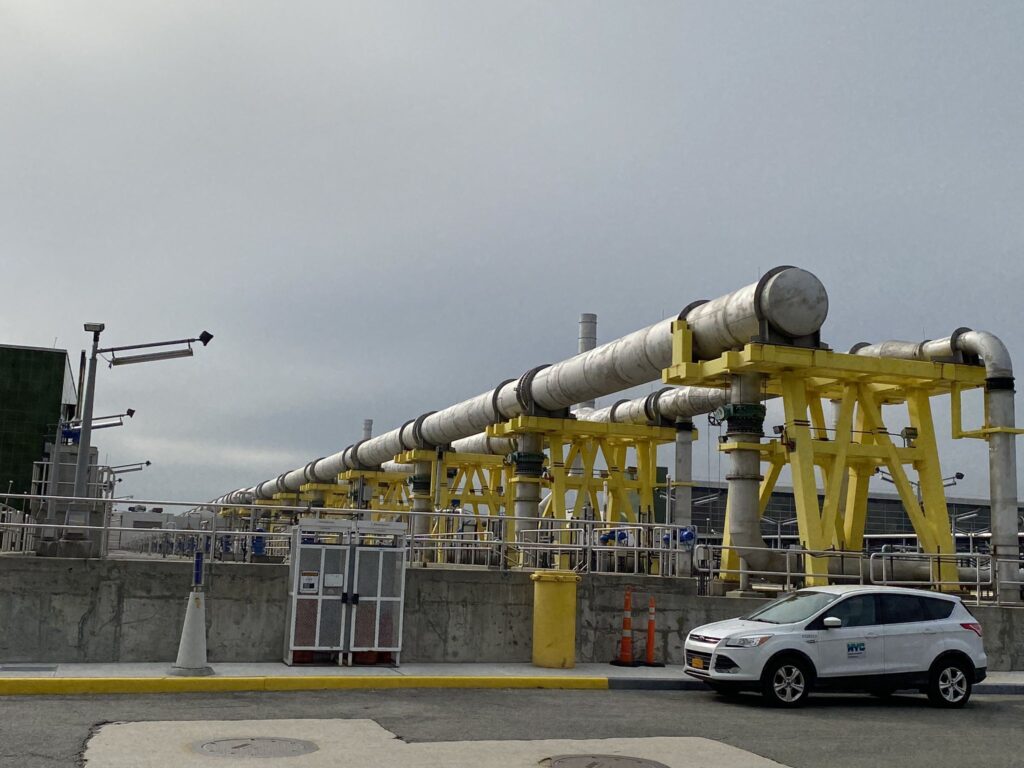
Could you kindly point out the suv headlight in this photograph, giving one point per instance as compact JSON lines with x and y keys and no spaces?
{"x":748,"y":641}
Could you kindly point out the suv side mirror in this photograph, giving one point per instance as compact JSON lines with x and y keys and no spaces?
{"x":833,"y":622}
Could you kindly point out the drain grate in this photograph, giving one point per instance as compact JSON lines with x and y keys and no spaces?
{"x":603,"y":761}
{"x":255,"y":747}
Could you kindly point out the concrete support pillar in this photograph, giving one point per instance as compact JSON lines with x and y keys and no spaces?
{"x":745,"y":418}
{"x":421,"y":498}
{"x":1003,"y":491}
{"x":682,"y":495}
{"x":529,"y":461}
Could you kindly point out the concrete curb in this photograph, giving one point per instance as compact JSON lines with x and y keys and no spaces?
{"x":642,"y":684}
{"x":65,"y":686}
{"x":72,"y":686}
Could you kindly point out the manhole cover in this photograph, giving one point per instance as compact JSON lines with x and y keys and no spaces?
{"x":603,"y":761}
{"x":256,"y":747}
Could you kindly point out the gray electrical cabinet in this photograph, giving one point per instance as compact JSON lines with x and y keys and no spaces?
{"x":346,"y":588}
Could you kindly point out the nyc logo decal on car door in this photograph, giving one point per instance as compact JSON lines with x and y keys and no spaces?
{"x":855,"y":649}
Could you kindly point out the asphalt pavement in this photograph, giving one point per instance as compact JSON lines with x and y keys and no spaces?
{"x":837,"y":731}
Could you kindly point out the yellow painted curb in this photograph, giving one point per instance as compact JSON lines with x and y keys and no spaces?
{"x":64,"y":686}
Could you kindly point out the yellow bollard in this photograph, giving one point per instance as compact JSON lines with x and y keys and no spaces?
{"x":554,"y":619}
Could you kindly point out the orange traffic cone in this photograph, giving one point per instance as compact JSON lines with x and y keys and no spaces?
{"x":626,"y":644}
{"x":650,"y":662}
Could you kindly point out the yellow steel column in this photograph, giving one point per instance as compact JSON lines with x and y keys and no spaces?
{"x":858,"y":479}
{"x":805,"y":488}
{"x":929,"y":474}
{"x":830,"y":523}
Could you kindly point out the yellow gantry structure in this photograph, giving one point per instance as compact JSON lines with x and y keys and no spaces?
{"x":832,"y":466}
{"x":628,"y":451}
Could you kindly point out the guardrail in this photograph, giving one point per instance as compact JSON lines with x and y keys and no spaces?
{"x":974,"y":572}
{"x":506,"y":542}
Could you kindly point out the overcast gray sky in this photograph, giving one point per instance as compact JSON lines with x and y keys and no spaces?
{"x":381,"y":208}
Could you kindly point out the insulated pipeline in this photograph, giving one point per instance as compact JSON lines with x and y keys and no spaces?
{"x":787,"y":301}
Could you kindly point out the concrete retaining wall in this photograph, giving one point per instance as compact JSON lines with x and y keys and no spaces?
{"x":61,"y":610}
{"x":57,"y":610}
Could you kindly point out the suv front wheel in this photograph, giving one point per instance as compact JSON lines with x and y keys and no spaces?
{"x":949,"y":683}
{"x":786,"y":682}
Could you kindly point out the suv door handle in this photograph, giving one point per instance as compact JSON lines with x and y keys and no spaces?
{"x":872,"y":634}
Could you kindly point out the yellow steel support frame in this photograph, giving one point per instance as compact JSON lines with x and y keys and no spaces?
{"x":628,"y":488}
{"x":630,"y":455}
{"x":481,"y":482}
{"x":859,"y":445}
{"x":328,"y":494}
{"x":389,"y":491}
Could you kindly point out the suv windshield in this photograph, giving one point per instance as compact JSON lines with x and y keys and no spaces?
{"x":792,"y":608}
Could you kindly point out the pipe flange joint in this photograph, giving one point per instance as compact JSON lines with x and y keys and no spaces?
{"x":959,"y":356}
{"x":356,"y":463}
{"x":309,"y":471}
{"x":347,"y":460}
{"x":406,"y":445}
{"x":742,"y":418}
{"x":999,"y":383}
{"x":690,"y":307}
{"x":858,"y":347}
{"x":684,"y":425}
{"x":528,"y":464}
{"x":419,"y":483}
{"x":279,"y":483}
{"x":417,"y":430}
{"x":651,"y":410}
{"x":615,"y":407}
{"x":498,"y":415}
{"x":524,"y":387}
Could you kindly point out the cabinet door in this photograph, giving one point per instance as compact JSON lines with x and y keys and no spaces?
{"x":379,"y":582}
{"x":319,"y":598}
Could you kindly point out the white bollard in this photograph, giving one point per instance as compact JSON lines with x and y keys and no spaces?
{"x":192,"y":648}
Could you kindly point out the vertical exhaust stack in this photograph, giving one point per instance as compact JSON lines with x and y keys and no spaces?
{"x":367,"y":429}
{"x":587,"y":341}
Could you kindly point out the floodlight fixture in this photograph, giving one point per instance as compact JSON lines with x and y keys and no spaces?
{"x":152,"y":357}
{"x":95,"y":327}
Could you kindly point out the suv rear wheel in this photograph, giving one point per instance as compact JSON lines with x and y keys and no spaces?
{"x":949,"y":683}
{"x":786,"y":682}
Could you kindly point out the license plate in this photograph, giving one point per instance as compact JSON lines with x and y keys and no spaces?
{"x":696,"y":663}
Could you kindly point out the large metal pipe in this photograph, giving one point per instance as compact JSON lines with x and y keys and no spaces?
{"x":787,"y":302}
{"x":965,"y":345}
{"x":664,"y":406}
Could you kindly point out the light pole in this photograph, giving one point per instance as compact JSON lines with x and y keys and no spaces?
{"x":84,"y":442}
{"x":108,"y":509}
{"x":82,"y":463}
{"x":778,"y":528}
{"x":946,"y":481}
{"x":955,"y":519}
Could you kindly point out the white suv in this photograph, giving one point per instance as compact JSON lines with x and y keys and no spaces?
{"x":848,"y":638}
